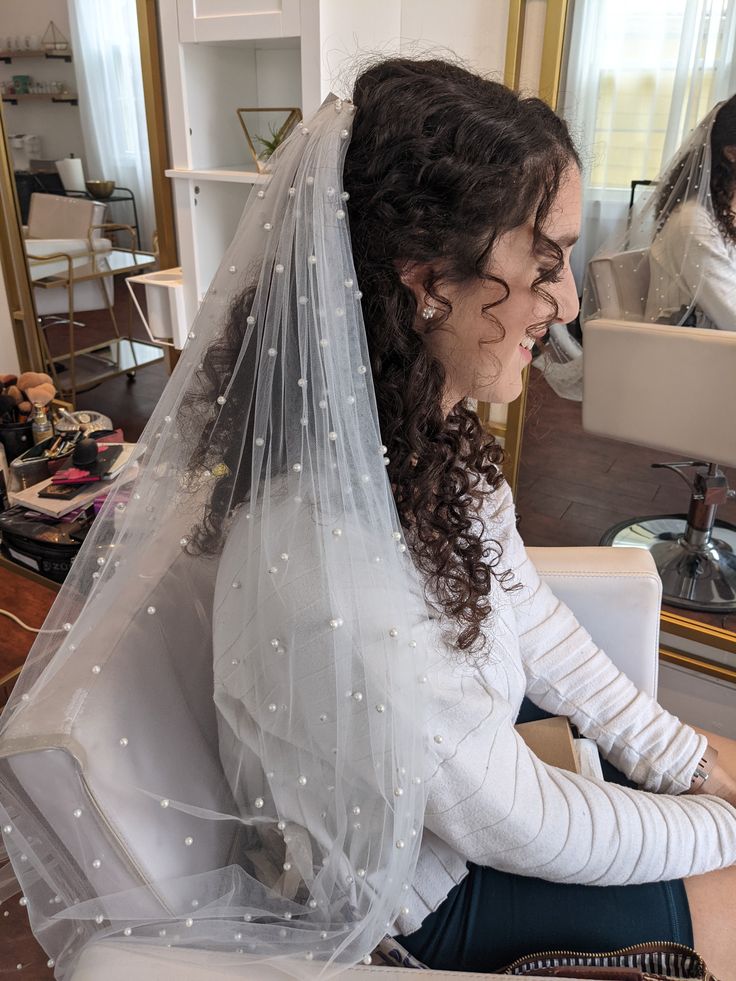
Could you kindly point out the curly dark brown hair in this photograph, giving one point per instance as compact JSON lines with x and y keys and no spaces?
{"x":723,"y":171}
{"x":441,"y":163}
{"x":679,"y":184}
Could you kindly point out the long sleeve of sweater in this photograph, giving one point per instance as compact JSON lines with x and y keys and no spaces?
{"x":493,"y":801}
{"x":568,"y":674}
{"x":694,"y":254}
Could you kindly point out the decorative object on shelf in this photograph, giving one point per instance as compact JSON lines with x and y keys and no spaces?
{"x":71,"y":172}
{"x":53,"y":40}
{"x":21,"y":84}
{"x":270,"y":137}
{"x":100,"y":189}
{"x":24,"y":147}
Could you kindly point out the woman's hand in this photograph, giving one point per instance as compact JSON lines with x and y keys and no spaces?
{"x":721,"y":784}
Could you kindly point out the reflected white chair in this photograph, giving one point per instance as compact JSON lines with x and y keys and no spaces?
{"x":67,"y":253}
{"x":672,"y":389}
{"x":54,"y":759}
{"x":67,"y":226}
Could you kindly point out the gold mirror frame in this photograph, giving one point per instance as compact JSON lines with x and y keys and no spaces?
{"x":13,"y":264}
{"x":682,"y":639}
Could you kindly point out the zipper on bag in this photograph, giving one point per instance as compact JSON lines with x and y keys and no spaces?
{"x":665,"y":946}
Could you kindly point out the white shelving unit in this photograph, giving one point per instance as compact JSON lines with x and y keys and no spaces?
{"x":221,"y":55}
{"x":213,"y":66}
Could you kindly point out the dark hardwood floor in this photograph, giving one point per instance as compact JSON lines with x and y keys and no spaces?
{"x":574,"y":486}
{"x":30,"y":602}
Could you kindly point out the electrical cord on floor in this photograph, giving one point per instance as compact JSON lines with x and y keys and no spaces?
{"x":33,"y":630}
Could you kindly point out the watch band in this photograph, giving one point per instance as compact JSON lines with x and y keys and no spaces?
{"x":703,"y":769}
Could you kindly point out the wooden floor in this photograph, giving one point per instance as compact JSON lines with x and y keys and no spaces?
{"x":573,"y":486}
{"x":30,"y":602}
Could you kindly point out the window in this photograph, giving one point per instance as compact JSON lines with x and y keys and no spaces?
{"x":638,"y":76}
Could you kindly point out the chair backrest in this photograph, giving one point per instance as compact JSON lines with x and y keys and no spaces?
{"x":63,"y":754}
{"x":621,"y":284}
{"x":57,"y":216}
{"x":665,"y":387}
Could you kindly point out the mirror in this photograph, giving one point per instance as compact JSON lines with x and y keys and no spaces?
{"x":88,"y":183}
{"x":635,"y":81}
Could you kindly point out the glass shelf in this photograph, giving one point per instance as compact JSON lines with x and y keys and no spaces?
{"x":105,"y":360}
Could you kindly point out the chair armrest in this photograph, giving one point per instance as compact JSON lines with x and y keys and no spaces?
{"x":117,"y":960}
{"x":616,"y":594}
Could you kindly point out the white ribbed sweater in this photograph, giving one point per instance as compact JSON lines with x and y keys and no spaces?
{"x":489,"y":799}
{"x":492,"y":802}
{"x":690,"y":261}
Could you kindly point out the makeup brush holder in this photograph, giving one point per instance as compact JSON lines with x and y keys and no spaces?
{"x":16,"y":437}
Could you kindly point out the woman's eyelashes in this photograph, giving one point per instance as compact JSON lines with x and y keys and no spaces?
{"x":551,"y":274}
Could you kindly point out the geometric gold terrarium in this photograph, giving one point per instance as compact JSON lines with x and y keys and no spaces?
{"x":53,"y":40}
{"x":265,"y":129}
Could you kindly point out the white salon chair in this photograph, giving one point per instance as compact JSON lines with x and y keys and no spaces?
{"x":59,"y":225}
{"x":58,"y":757}
{"x":672,"y":389}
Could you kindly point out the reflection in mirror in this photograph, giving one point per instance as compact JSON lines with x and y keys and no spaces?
{"x":75,"y":114}
{"x":643,"y":378}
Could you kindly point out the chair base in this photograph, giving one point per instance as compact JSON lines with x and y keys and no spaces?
{"x":694,"y":577}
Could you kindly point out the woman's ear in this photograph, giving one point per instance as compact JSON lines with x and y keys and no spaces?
{"x":414,"y":275}
{"x":729,"y":152}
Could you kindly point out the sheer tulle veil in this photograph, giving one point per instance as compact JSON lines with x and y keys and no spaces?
{"x":649,"y":269}
{"x":238,"y":551}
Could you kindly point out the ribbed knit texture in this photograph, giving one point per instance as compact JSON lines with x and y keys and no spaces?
{"x":690,"y":260}
{"x":492,"y":802}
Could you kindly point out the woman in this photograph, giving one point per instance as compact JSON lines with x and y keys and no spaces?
{"x":316,"y":505}
{"x":693,"y":252}
{"x":464,"y":207}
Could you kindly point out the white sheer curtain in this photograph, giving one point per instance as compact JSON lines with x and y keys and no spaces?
{"x":110,"y":85}
{"x":638,"y":77}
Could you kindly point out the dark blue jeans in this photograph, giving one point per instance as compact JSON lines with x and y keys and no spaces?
{"x":491,"y":918}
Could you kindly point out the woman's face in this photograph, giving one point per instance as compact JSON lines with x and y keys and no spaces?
{"x":480,"y":359}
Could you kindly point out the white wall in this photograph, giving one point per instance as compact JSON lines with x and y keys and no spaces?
{"x":8,"y":355}
{"x":56,"y":123}
{"x":350,"y":32}
{"x":474,"y":31}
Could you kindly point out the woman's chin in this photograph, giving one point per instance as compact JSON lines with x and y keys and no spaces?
{"x":500,"y":394}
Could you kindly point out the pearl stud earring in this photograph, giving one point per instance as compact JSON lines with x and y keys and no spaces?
{"x":428,"y":312}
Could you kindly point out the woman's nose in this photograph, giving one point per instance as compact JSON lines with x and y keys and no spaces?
{"x":567,"y":298}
